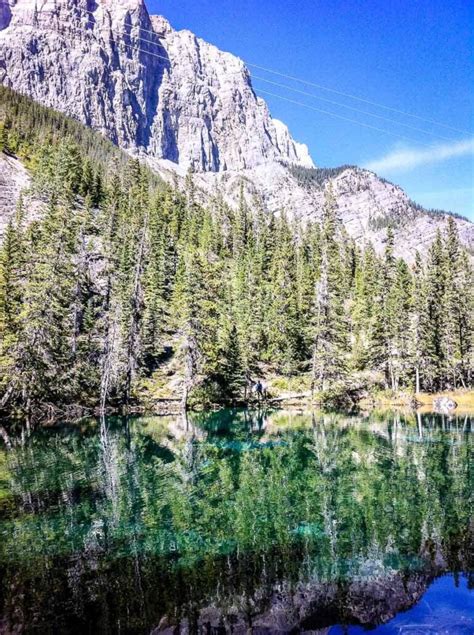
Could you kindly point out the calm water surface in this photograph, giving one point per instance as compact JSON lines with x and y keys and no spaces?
{"x":239,"y":522}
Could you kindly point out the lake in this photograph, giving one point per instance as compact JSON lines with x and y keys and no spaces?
{"x":239,"y":521}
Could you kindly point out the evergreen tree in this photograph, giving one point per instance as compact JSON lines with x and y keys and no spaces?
{"x":231,"y":366}
{"x":330,"y":327}
{"x":4,"y":129}
{"x":46,"y":320}
{"x":457,"y":328}
{"x":283,"y":332}
{"x":366,"y":315}
{"x":12,"y":262}
{"x":435,"y":292}
{"x":400,"y":360}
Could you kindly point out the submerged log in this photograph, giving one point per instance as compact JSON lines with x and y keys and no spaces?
{"x":299,"y":395}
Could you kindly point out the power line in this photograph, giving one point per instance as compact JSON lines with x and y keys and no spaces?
{"x":366,"y":101}
{"x":321,"y":87}
{"x":331,"y":114}
{"x":363,"y":112}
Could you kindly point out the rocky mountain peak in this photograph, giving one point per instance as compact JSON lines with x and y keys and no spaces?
{"x":154,"y":91}
{"x":161,"y":25}
{"x":122,"y":5}
{"x":178,"y":102}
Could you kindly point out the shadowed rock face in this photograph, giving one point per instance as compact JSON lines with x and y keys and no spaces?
{"x":137,"y":592}
{"x":310,"y":607}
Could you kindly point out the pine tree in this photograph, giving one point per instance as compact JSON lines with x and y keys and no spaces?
{"x":283,"y":333}
{"x":400,"y":361}
{"x":5,"y":128}
{"x":131,"y":273}
{"x":241,"y":225}
{"x":466,"y":321}
{"x":366,"y":310}
{"x":12,"y":263}
{"x":435,"y":292}
{"x":420,"y":347}
{"x":330,"y":327}
{"x":232,"y":367}
{"x":456,"y":330}
{"x":46,"y":321}
{"x":307,"y":272}
{"x":87,"y":181}
{"x":11,"y":260}
{"x":389,"y":350}
{"x":196,"y":300}
{"x":155,"y":290}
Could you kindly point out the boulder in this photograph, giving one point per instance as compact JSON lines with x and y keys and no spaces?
{"x":444,"y":404}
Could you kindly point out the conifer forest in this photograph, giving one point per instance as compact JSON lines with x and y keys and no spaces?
{"x":121,"y":276}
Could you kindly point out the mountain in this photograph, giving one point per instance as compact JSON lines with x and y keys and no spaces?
{"x":178,"y":102}
{"x":367,"y":204}
{"x":150,"y":89}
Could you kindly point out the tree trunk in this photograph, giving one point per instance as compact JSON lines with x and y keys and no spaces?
{"x":420,"y":426}
{"x":393,"y":383}
{"x":6,"y":438}
{"x":184,"y":401}
{"x":137,"y":301}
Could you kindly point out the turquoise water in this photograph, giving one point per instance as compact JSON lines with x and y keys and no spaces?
{"x":239,"y":522}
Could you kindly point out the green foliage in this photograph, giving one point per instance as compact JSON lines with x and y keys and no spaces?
{"x":330,"y":349}
{"x":317,"y":177}
{"x":232,"y":366}
{"x":122,"y":273}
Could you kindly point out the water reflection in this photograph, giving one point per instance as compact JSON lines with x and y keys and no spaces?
{"x":231,"y":520}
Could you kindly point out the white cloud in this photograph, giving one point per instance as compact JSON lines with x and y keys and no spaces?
{"x":406,"y":158}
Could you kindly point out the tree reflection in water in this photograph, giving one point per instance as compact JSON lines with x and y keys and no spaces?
{"x":261,"y":519}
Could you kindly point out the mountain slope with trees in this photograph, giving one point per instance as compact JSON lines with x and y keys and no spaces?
{"x":178,"y":102}
{"x":122,"y":272}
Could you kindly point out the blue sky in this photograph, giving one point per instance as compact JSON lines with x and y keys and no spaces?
{"x":414,"y":56}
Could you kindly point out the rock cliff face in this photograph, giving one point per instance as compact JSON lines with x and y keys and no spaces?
{"x":14,"y":180}
{"x":178,"y":102}
{"x":365,"y":203}
{"x":150,"y":89}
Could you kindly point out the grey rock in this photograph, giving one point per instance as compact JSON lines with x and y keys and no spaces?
{"x":444,"y":404}
{"x":178,"y":102}
{"x":15,"y":181}
{"x":148,"y":88}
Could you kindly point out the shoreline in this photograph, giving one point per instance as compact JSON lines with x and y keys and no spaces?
{"x":420,"y":402}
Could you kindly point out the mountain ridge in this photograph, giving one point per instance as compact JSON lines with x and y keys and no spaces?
{"x":179,"y":103}
{"x":114,"y":72}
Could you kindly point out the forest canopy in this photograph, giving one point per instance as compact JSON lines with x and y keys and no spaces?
{"x":122,"y":273}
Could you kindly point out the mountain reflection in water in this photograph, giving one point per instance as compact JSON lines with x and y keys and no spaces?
{"x":235,"y":520}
